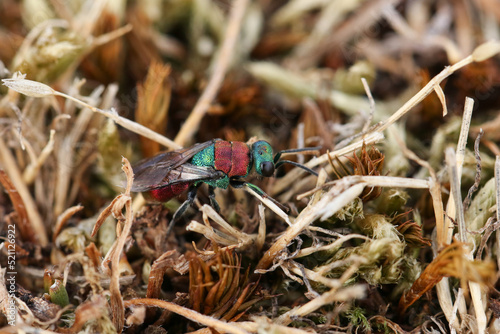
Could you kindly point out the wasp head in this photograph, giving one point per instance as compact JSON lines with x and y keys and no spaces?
{"x":263,"y":158}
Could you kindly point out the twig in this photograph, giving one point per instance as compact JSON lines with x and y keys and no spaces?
{"x":63,"y":219}
{"x":477,"y":177}
{"x":293,"y":175}
{"x":33,"y":168}
{"x":334,"y":245}
{"x":114,"y":254}
{"x":451,"y":161}
{"x":455,"y":166}
{"x":35,"y":219}
{"x":497,"y":193}
{"x":37,"y":89}
{"x":335,"y":199}
{"x":434,"y":190}
{"x":334,"y":295}
{"x":261,"y":235}
{"x":378,"y":181}
{"x":422,"y":94}
{"x":218,"y":325}
{"x":224,"y":58}
{"x":23,"y":222}
{"x":372,"y":105}
{"x":481,"y":53}
{"x":270,"y":205}
{"x":106,"y":38}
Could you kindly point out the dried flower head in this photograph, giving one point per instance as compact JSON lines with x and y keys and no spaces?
{"x":411,"y":230}
{"x":28,"y":87}
{"x":218,"y":287}
{"x":368,"y":162}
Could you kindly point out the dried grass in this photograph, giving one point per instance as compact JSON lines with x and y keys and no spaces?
{"x":404,"y":208}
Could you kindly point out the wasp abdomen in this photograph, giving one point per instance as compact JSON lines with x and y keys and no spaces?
{"x":166,"y":193}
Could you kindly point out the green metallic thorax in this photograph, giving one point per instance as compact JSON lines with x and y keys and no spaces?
{"x":207,"y":158}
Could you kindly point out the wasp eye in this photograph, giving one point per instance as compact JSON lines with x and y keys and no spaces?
{"x":267,"y":168}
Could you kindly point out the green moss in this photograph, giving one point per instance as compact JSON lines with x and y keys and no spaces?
{"x":58,"y":293}
{"x":357,"y":317}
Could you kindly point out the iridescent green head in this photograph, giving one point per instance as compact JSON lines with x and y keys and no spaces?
{"x":263,"y":158}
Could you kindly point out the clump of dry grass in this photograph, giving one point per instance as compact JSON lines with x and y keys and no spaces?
{"x":404,"y":211}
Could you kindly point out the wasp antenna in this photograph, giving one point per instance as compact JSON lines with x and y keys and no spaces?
{"x":310,"y":150}
{"x":307,"y":169}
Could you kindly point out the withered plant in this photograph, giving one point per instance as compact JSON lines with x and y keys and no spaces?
{"x":396,"y":230}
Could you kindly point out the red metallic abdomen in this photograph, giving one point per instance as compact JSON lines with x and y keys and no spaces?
{"x":164,"y":194}
{"x":233,"y":158}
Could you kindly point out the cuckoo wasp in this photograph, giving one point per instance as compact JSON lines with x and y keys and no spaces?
{"x":218,"y":163}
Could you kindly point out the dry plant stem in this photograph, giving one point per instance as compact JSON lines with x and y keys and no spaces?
{"x":261,"y":325}
{"x":231,"y":238}
{"x":126,"y":123}
{"x":33,"y":34}
{"x":372,"y":104}
{"x":33,"y":168}
{"x":334,"y":295}
{"x":22,"y":219}
{"x":293,"y":175}
{"x":475,"y":288}
{"x":192,"y":124}
{"x":477,"y":177}
{"x":422,"y":94}
{"x":158,"y":269}
{"x":331,"y":15}
{"x":35,"y":219}
{"x":270,"y":205}
{"x":341,"y":194}
{"x":379,"y":181}
{"x":212,"y":214}
{"x":464,"y":134}
{"x":497,"y":193}
{"x":117,"y":308}
{"x":63,"y":219}
{"x":300,"y":141}
{"x":455,"y":193}
{"x":454,"y":318}
{"x":351,"y":29}
{"x":322,"y":176}
{"x":210,"y":234}
{"x":293,"y":10}
{"x":65,"y":155}
{"x":37,"y":89}
{"x":310,"y":250}
{"x":455,"y":211}
{"x":62,"y":10}
{"x":218,"y":325}
{"x":261,"y":235}
{"x":314,"y":276}
{"x":115,"y":34}
{"x":434,"y":190}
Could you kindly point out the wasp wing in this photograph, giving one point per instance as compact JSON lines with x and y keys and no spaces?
{"x":171,"y":167}
{"x":183,"y":173}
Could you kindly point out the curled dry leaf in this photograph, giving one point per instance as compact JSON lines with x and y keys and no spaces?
{"x":450,"y":262}
{"x":22,"y":220}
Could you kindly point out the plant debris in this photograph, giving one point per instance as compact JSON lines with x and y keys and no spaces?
{"x":394,"y":230}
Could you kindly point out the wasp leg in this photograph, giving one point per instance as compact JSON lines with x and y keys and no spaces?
{"x":241,"y":184}
{"x":213,"y":201}
{"x":191,"y":195}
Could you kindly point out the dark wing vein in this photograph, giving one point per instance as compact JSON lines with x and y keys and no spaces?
{"x":171,"y":167}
